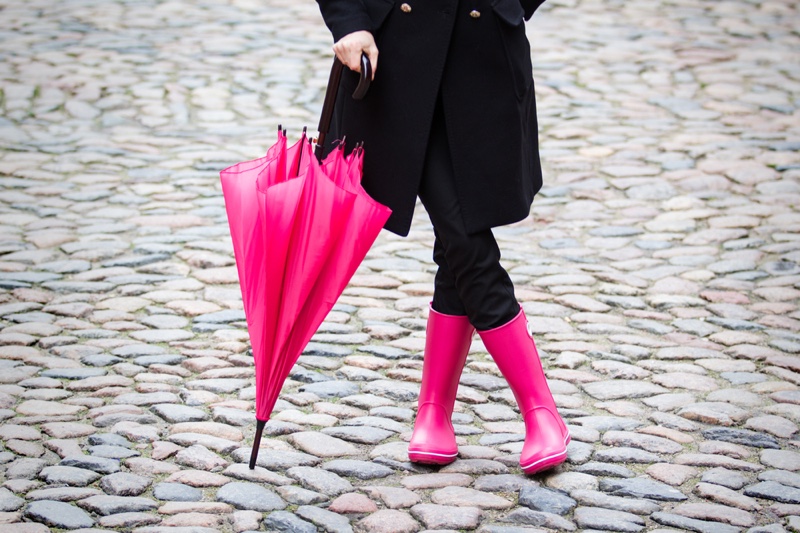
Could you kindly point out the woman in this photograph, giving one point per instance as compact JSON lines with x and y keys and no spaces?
{"x":450,"y":117}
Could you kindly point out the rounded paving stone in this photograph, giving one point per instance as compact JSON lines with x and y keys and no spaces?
{"x":58,"y":514}
{"x":250,"y":497}
{"x":177,"y":492}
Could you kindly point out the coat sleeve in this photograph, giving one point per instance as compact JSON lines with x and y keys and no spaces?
{"x":530,"y":6}
{"x":344,"y":16}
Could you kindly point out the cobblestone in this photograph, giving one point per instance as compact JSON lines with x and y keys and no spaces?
{"x":659,"y":268}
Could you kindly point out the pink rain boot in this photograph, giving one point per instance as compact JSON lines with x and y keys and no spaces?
{"x":447,"y":341}
{"x":546,"y":435}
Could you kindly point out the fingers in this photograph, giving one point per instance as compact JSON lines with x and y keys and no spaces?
{"x":350,"y":47}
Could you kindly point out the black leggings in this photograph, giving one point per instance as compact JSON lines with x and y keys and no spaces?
{"x":470,"y":280}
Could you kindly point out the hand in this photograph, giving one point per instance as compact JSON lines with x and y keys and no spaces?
{"x":349,"y":48}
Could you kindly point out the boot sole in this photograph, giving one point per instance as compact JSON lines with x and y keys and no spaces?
{"x":548,"y":462}
{"x":431,"y":458}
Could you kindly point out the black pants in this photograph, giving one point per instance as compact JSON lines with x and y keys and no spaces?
{"x":470,"y":280}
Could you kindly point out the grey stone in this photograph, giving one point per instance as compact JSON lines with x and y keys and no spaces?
{"x":107,"y":505}
{"x":58,"y":514}
{"x":446,"y":516}
{"x":9,"y":502}
{"x":549,"y":501}
{"x":276,"y":460}
{"x":359,"y":434}
{"x":289,"y":522}
{"x":772,"y":490}
{"x":395,"y":390}
{"x":177,"y":492}
{"x":783,"y":477}
{"x":124,"y":484}
{"x":501,"y":483}
{"x":219,"y":386}
{"x":530,"y":517}
{"x":63,"y":494}
{"x":331,"y":389}
{"x":300,"y":496}
{"x":357,"y":469}
{"x":726,"y":478}
{"x":604,"y":469}
{"x":109,"y":439}
{"x":320,"y":480}
{"x":98,"y":464}
{"x":593,"y":498}
{"x":324,"y":519}
{"x":641,"y":488}
{"x":233,"y":417}
{"x":163,"y":359}
{"x":692,"y":524}
{"x":608,"y":519}
{"x":68,"y":475}
{"x":249,"y":496}
{"x":626,"y":455}
{"x":742,"y":436}
{"x":112,"y":452}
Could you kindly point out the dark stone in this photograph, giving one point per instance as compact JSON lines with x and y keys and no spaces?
{"x":250,"y":496}
{"x":325,"y":520}
{"x":109,"y":439}
{"x":326,"y":350}
{"x":68,"y":475}
{"x":735,"y":324}
{"x":549,"y":501}
{"x":98,"y":464}
{"x":742,"y":436}
{"x":529,"y":517}
{"x":642,"y":488}
{"x":100,"y":360}
{"x":772,"y":490}
{"x":304,"y":375}
{"x":73,"y":373}
{"x":608,"y":520}
{"x":289,"y":522}
{"x":604,"y":469}
{"x":692,"y":524}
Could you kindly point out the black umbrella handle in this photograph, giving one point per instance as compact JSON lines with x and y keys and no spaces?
{"x":331,"y":93}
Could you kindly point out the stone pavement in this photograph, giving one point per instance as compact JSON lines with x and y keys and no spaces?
{"x":659,"y":269}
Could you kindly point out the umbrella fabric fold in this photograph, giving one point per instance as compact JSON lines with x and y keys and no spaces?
{"x":300,"y":228}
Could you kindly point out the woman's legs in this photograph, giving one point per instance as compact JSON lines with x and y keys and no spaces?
{"x":470,"y":280}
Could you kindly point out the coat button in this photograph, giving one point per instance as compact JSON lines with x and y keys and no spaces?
{"x":405,"y":8}
{"x":475,"y":14}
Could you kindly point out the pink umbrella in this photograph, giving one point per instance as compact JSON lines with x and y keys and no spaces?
{"x":300,"y":228}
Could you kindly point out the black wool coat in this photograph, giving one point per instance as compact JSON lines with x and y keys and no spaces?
{"x":476,"y":56}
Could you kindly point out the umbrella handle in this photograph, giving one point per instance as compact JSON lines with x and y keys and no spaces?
{"x":332,"y":92}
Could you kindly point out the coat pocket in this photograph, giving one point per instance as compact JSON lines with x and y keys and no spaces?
{"x":511,"y":25}
{"x":378,"y":10}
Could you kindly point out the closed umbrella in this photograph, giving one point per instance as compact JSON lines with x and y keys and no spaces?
{"x":300,"y":227}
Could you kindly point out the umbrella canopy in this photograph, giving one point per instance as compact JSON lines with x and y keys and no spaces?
{"x":300,"y":228}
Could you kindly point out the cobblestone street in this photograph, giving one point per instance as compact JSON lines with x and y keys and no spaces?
{"x":660,"y":271}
